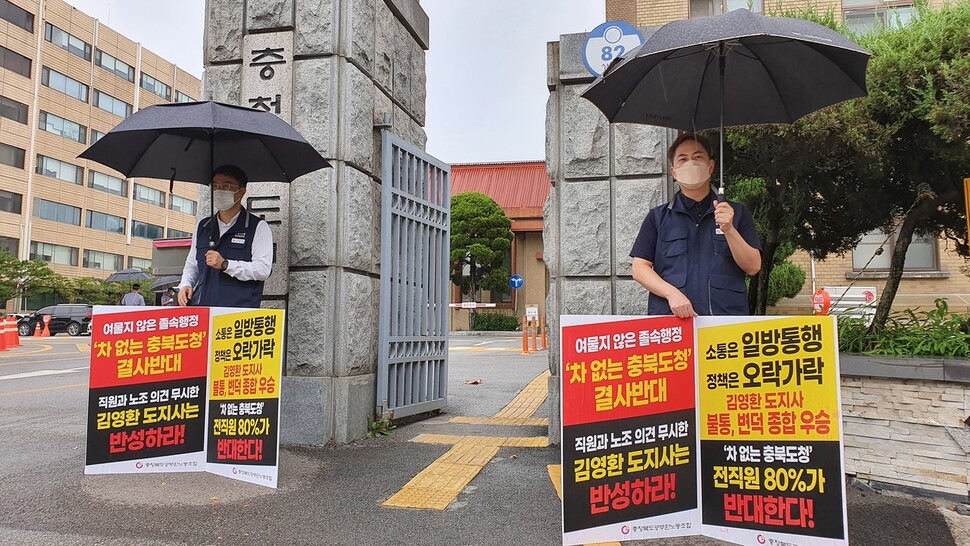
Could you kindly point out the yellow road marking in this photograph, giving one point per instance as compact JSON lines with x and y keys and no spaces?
{"x":41,"y":349}
{"x":437,"y":486}
{"x":507,"y":421}
{"x":83,"y":347}
{"x":555,"y":474}
{"x":483,"y":441}
{"x":520,"y":410}
{"x":528,"y":401}
{"x":12,"y":393}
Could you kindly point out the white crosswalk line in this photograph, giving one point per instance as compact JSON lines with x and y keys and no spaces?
{"x":40,"y":373}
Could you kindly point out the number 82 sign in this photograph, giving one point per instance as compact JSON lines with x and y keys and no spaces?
{"x":607,"y":42}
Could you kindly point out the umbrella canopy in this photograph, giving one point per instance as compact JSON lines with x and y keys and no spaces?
{"x":728,"y":70}
{"x":185,"y":141}
{"x":164,"y":283}
{"x":128,"y":275}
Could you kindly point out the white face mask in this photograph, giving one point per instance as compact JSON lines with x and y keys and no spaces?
{"x":223,"y":199}
{"x":693,"y":174}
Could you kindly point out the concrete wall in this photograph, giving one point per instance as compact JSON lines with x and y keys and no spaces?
{"x":903,"y":423}
{"x":349,"y":63}
{"x":605,"y":178}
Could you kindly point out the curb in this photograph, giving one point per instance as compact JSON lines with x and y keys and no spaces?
{"x":517,"y":333}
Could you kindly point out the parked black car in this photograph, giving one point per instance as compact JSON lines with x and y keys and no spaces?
{"x":73,"y":318}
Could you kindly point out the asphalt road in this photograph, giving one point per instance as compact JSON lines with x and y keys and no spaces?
{"x":328,"y":494}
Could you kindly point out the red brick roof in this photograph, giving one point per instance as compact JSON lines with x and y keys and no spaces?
{"x":520,"y":185}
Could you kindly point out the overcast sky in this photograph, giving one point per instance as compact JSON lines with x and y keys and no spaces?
{"x":486,"y":66}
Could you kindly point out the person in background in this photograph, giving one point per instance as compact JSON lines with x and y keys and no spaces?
{"x":694,"y":253}
{"x":169,"y":297}
{"x":133,"y":297}
{"x":231,"y":273}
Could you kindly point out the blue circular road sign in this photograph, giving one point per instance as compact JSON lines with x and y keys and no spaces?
{"x":516,"y":281}
{"x":607,"y":42}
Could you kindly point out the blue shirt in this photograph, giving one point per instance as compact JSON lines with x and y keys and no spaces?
{"x":680,"y":239}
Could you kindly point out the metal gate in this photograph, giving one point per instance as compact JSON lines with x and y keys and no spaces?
{"x":412,"y":366}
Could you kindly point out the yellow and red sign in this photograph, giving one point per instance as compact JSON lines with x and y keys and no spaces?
{"x":185,"y":389}
{"x":722,"y":426}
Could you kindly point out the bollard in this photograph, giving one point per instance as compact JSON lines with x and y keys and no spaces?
{"x":535,"y":345}
{"x":543,"y":325}
{"x":525,"y":335}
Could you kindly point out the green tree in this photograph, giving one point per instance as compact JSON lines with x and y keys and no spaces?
{"x":480,"y":238}
{"x":803,"y":182}
{"x":95,"y":291}
{"x":19,"y":278}
{"x":918,"y":94}
{"x":781,"y":278}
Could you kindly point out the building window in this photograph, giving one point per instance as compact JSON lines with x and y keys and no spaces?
{"x":17,"y":15}
{"x":15,"y":62}
{"x":863,"y":16}
{"x":107,"y":183}
{"x":63,"y":127}
{"x":108,"y":103}
{"x":113,"y":65}
{"x":11,"y":202}
{"x":155,"y":86}
{"x":96,"y":135}
{"x":707,"y":8}
{"x":67,"y":41}
{"x":69,"y":86}
{"x":57,"y":212}
{"x":105,"y":222}
{"x":182,"y":97}
{"x":14,"y":110}
{"x":182,"y":204}
{"x":147,"y":231}
{"x":139,"y":263}
{"x":10,"y":244}
{"x":179,"y":234}
{"x":921,"y":255}
{"x":61,"y":170}
{"x":149,"y":195}
{"x":12,"y":155}
{"x":103,"y":260}
{"x":53,"y":254}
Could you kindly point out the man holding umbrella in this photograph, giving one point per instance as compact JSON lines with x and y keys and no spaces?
{"x":230,"y":273}
{"x":694,"y":252}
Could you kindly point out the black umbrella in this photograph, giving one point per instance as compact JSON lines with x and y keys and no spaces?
{"x":185,"y":141}
{"x":728,"y":70}
{"x":128,"y":275}
{"x":163,"y":283}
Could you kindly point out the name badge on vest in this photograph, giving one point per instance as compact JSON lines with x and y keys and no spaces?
{"x":238,"y":239}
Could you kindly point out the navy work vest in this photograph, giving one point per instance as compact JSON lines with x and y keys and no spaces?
{"x":698,"y":261}
{"x":218,"y":288}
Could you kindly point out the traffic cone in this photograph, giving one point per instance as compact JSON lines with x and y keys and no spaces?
{"x":15,"y":333}
{"x":46,"y":332}
{"x":37,"y":329}
{"x":10,"y":337}
{"x":3,"y":335}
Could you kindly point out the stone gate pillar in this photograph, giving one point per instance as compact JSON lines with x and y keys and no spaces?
{"x":338,"y":71}
{"x":605,"y":178}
